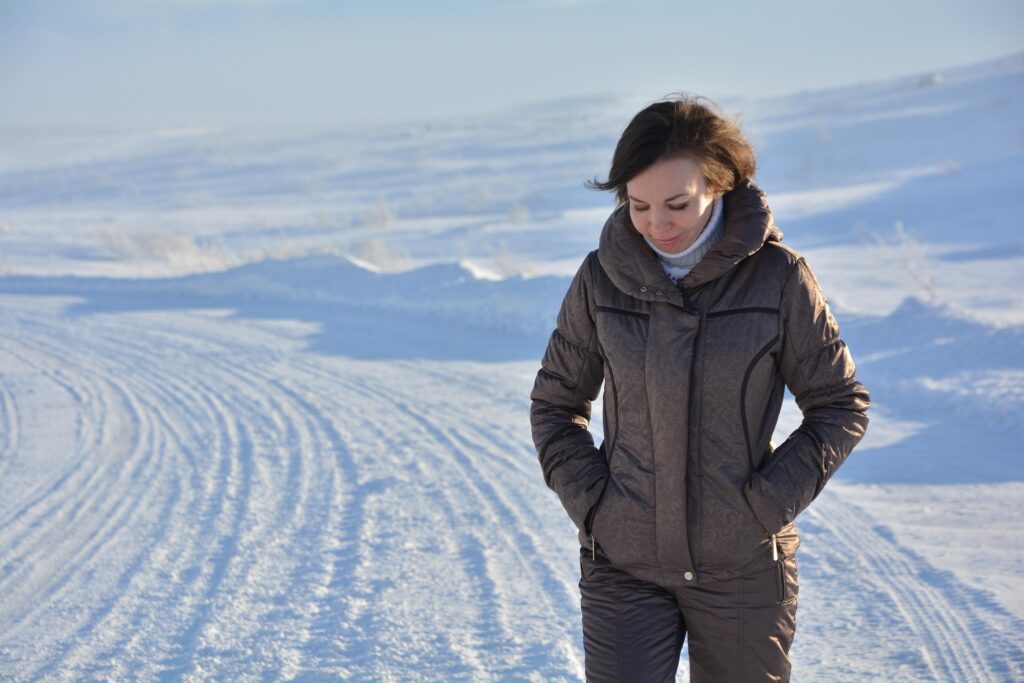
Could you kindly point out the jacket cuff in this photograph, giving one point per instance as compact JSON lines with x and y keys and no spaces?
{"x":763,"y":500}
{"x":581,"y":509}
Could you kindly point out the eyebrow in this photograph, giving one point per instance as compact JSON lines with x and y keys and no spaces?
{"x":640,"y":201}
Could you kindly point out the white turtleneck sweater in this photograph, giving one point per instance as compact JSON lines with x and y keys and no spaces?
{"x":676,"y":266}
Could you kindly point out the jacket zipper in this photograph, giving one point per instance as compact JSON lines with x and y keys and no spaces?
{"x":775,"y":549}
{"x":693,"y":454}
{"x":780,"y":571}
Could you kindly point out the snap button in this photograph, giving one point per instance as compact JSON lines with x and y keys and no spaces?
{"x":659,"y":292}
{"x":644,"y":288}
{"x":688,"y":576}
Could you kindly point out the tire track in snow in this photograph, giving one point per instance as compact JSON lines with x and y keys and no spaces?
{"x":197,"y":547}
{"x":90,"y":502}
{"x":113,"y":521}
{"x":82,"y":395}
{"x":295,"y":429}
{"x":394,"y":435}
{"x":499,"y":517}
{"x":217,"y":383}
{"x":286,"y":532}
{"x":274,"y":413}
{"x":97,"y":353}
{"x":957,"y":643}
{"x":223,"y":571}
{"x":9,"y":428}
{"x":214,"y":388}
{"x":133,"y":595}
{"x":375,"y":416}
{"x":540,"y":554}
{"x":314,"y":436}
{"x":157,"y":391}
{"x":336,"y":526}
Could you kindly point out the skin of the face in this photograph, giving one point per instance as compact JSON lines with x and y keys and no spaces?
{"x":670,"y":203}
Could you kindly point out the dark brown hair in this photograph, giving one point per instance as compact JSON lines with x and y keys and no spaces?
{"x":681,"y":126}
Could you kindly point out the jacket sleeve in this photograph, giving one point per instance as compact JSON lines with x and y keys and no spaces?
{"x":569,"y":379}
{"x":819,"y":370}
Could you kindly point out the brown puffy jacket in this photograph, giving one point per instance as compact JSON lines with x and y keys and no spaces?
{"x":686,"y":485}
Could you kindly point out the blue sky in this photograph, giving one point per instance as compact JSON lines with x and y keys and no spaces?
{"x":295,"y":64}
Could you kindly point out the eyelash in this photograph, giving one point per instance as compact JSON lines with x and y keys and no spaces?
{"x":681,"y":207}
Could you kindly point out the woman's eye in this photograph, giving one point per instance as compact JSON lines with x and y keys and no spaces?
{"x":639,"y":209}
{"x":681,"y":207}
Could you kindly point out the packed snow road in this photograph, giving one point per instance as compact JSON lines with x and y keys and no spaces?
{"x":190,"y":495}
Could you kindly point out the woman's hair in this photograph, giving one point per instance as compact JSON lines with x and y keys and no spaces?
{"x":681,"y":126}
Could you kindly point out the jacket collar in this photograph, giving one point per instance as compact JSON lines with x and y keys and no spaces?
{"x":634,"y":267}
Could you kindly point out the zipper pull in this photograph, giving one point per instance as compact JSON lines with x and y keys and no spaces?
{"x":593,"y":550}
{"x":775,"y":550}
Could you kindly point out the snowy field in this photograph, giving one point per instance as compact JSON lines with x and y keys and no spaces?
{"x":264,"y":399}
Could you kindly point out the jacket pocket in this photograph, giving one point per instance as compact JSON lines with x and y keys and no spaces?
{"x":787,"y":583}
{"x":589,"y":522}
{"x":780,"y":580}
{"x":730,"y":534}
{"x":622,"y":525}
{"x":589,"y":519}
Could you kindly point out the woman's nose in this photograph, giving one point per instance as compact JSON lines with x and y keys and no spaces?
{"x":661,"y":220}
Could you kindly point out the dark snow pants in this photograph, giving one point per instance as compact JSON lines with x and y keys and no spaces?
{"x":739,"y":630}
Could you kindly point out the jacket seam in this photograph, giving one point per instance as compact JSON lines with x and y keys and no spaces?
{"x":747,"y":309}
{"x":593,"y":328}
{"x":654,"y":459}
{"x":590,"y":283}
{"x":743,"y":397}
{"x":622,"y":311}
{"x":765,"y":418}
{"x":822,"y":391}
{"x":831,"y":341}
{"x":785,"y":284}
{"x":615,"y":403}
{"x":570,"y":341}
{"x":583,"y":366}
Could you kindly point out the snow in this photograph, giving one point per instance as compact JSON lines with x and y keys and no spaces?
{"x":264,"y":401}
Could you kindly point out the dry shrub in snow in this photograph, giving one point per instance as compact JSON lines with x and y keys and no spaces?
{"x":380,"y":256}
{"x":181,"y":252}
{"x":381,"y":215}
{"x":909,"y":254}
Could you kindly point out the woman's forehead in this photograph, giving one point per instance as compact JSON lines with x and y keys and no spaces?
{"x":666,"y":179}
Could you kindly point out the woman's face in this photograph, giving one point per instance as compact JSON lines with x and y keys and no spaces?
{"x":670,"y":203}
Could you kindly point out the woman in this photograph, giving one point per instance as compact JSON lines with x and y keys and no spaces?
{"x":695,"y":317}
